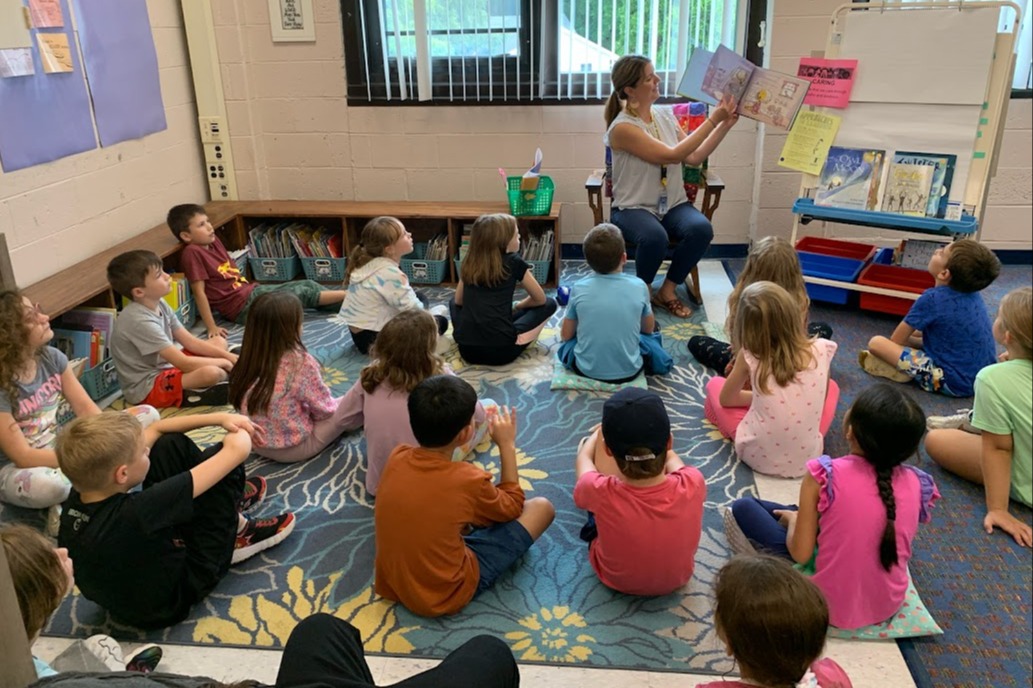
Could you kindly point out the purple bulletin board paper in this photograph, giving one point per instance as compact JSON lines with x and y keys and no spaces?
{"x":122,"y":68}
{"x":44,"y":117}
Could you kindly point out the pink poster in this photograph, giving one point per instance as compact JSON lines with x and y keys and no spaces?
{"x":831,"y":81}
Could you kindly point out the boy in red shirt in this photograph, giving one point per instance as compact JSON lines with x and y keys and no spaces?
{"x":428,"y":556}
{"x":216,"y":281}
{"x":645,"y":506}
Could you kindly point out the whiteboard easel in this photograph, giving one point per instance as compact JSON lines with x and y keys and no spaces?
{"x":959,"y":102}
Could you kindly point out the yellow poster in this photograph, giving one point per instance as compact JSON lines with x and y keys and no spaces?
{"x":54,"y":52}
{"x":809,"y":141}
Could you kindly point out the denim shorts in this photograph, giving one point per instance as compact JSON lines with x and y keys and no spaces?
{"x":497,"y":547}
{"x":924,"y":371}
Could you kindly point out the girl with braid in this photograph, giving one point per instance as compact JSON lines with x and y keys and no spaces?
{"x":858,"y":514}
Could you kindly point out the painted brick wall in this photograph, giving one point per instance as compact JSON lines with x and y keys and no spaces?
{"x":55,"y":214}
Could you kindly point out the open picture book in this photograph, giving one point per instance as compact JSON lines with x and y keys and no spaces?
{"x":761,"y":94}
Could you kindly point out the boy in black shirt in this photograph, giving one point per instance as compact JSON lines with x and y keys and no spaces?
{"x":148,"y":556}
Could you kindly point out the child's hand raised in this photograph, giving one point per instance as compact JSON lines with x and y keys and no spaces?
{"x":503,"y":426}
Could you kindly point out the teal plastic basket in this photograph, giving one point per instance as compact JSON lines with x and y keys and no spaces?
{"x":537,"y":202}
{"x":540,"y":270}
{"x":324,"y":269}
{"x":422,"y":271}
{"x":274,"y":269}
{"x":100,"y":380}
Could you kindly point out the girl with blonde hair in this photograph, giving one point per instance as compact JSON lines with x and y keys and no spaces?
{"x":772,"y":259}
{"x":489,"y":328}
{"x":993,"y":445}
{"x":378,"y":289}
{"x":779,"y":423}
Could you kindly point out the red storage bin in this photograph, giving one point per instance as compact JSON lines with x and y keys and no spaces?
{"x":892,"y":277}
{"x":834,"y":247}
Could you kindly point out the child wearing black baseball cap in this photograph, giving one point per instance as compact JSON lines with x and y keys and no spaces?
{"x":645,"y":505}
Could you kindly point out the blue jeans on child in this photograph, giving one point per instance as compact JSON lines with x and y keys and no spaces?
{"x":688,"y":228}
{"x":497,"y":547}
{"x":757,"y":520}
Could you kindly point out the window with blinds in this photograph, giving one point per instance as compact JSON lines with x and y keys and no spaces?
{"x":484,"y":51}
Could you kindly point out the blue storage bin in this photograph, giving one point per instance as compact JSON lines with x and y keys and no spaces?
{"x":422,"y":271}
{"x":884,"y":256}
{"x":833,"y":268}
{"x":100,"y":380}
{"x":275,"y":269}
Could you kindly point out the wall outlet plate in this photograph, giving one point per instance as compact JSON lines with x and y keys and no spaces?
{"x":213,"y":129}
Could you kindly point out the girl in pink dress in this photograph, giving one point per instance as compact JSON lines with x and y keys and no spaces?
{"x":773,"y":621}
{"x":780,"y":422}
{"x":861,"y":511}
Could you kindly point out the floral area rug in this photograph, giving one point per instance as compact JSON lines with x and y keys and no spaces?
{"x":549,"y":608}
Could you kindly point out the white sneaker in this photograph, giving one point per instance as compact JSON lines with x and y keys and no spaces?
{"x":962,"y":420}
{"x":107,"y":650}
{"x":53,"y":520}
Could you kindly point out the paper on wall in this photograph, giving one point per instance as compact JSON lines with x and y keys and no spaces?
{"x":809,"y":141}
{"x":54,"y":52}
{"x":46,"y":14}
{"x":14,"y":31}
{"x":16,"y":62}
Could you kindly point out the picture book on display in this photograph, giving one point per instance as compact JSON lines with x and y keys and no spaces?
{"x":850,"y":178}
{"x":943,"y":175}
{"x":907,"y":188}
{"x":762,"y":94}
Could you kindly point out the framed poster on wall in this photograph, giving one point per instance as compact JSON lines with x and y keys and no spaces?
{"x":292,"y":21}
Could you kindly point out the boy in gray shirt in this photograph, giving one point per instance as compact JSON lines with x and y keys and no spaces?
{"x":151,"y":368}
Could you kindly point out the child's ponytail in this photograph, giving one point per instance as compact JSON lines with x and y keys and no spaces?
{"x":888,"y":544}
{"x":887,"y":425}
{"x":377,"y":235}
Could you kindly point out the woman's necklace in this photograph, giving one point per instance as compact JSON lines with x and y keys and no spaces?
{"x":653,"y":127}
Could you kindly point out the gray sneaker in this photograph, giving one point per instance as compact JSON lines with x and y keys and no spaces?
{"x":962,"y":420}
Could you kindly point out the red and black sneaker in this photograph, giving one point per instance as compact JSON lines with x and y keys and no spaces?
{"x":261,"y":534}
{"x":254,"y":493}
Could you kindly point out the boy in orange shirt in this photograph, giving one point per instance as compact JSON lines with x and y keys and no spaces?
{"x":428,"y":556}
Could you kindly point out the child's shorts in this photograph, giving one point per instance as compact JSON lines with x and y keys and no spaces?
{"x":167,"y":390}
{"x":922,"y":369}
{"x":497,"y":547}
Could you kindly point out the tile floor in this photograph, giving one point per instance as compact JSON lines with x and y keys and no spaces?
{"x":867,"y":663}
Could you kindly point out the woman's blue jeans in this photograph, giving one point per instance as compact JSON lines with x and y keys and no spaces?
{"x":683,"y":225}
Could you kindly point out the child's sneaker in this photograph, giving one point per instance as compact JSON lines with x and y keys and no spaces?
{"x":261,"y":534}
{"x":145,"y":660}
{"x":873,"y":365}
{"x":53,"y":520}
{"x":106,"y":650}
{"x":254,"y":493}
{"x":962,"y":420}
{"x":737,"y":540}
{"x":216,"y":395}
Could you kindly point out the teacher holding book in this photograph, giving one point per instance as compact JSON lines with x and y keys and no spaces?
{"x":649,"y":202}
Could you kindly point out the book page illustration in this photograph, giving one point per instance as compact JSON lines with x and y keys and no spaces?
{"x":773,"y":98}
{"x":727,"y":73}
{"x":850,"y":178}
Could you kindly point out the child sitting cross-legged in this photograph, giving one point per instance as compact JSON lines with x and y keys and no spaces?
{"x":145,"y":343}
{"x":780,"y":422}
{"x":489,"y":328}
{"x":645,"y":505}
{"x":444,"y":530}
{"x":946,"y":338}
{"x":148,"y":556}
{"x":609,"y":332}
{"x":403,"y":357}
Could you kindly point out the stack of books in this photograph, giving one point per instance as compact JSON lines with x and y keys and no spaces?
{"x":437,"y":248}
{"x":271,"y":240}
{"x":315,"y":242}
{"x":539,"y":247}
{"x":84,"y":333}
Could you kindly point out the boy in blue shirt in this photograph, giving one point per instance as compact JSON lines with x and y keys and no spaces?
{"x":947,"y":337}
{"x":609,"y":332}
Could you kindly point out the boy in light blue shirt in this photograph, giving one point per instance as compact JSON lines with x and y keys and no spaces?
{"x":609,"y":332}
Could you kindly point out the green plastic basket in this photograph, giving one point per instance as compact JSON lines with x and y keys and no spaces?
{"x":538,"y":202}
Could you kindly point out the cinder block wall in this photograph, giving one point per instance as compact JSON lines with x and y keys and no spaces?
{"x":56,"y":214}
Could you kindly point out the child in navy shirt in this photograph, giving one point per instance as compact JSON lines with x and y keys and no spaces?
{"x":946,"y":337}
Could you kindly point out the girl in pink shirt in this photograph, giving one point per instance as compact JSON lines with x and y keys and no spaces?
{"x":861,"y":511}
{"x":773,"y":621}
{"x":403,"y":357}
{"x":780,"y":422}
{"x":280,"y":385}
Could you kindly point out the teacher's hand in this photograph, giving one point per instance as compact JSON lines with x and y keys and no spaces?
{"x":724,"y":109}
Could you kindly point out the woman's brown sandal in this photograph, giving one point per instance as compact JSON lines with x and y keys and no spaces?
{"x":673,"y":306}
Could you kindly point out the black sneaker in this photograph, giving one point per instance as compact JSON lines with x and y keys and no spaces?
{"x":216,"y":395}
{"x":261,"y":534}
{"x":254,"y":493}
{"x":145,"y":660}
